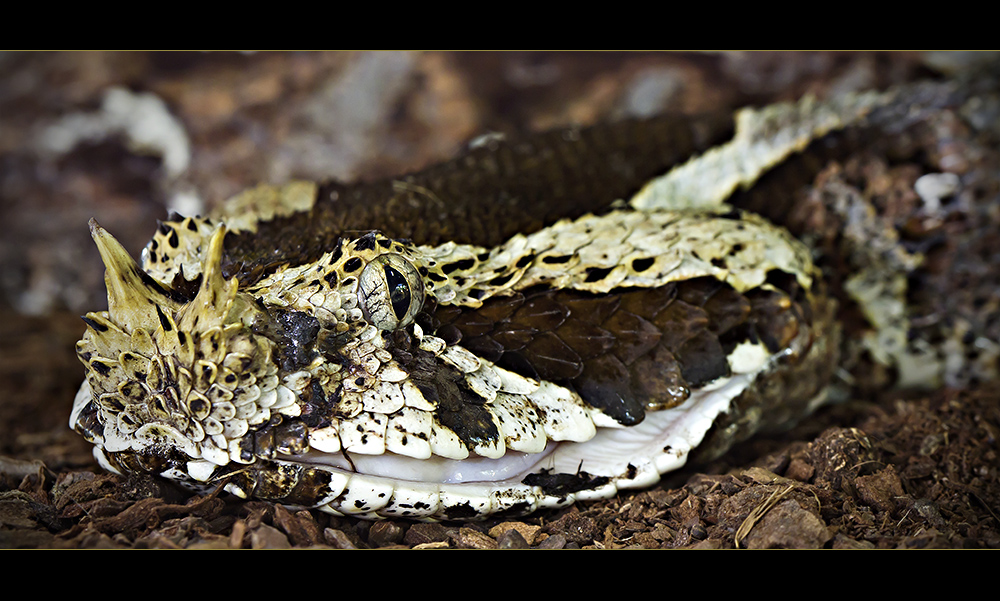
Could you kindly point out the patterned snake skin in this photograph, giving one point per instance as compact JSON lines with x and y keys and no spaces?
{"x":531,"y":324}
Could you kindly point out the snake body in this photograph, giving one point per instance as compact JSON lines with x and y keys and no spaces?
{"x":526,"y":326}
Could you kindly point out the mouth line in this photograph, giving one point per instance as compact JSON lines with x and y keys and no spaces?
{"x":512,"y":467}
{"x":633,"y":457}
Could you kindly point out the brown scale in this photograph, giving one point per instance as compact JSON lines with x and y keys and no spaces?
{"x":486,"y":195}
{"x":631,"y":350}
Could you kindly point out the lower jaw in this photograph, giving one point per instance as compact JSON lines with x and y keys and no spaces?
{"x":390,"y":485}
{"x":614,"y":459}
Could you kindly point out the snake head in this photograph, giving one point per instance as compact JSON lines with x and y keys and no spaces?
{"x":174,"y":382}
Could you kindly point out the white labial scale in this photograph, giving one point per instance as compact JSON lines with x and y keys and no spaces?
{"x":414,"y":501}
{"x":493,"y":449}
{"x":414,"y":398}
{"x":565,"y":417}
{"x":326,"y":440}
{"x":478,"y":499}
{"x":364,"y":433}
{"x":446,"y":443}
{"x":521,"y":424}
{"x":363,"y":495}
{"x":409,"y":433}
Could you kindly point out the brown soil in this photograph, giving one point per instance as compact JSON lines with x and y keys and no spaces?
{"x":876,"y":470}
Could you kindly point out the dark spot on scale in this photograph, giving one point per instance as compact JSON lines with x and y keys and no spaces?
{"x":560,"y":484}
{"x":500,"y":280}
{"x":483,"y":256}
{"x":359,"y":382}
{"x":331,"y":278}
{"x":99,"y":327}
{"x":366,"y":242}
{"x":596,"y":274}
{"x":737,"y":247}
{"x":191,"y":225}
{"x":524,"y":261}
{"x":436,"y":277}
{"x":643,"y":264}
{"x":182,"y":337}
{"x":359,"y":504}
{"x":477,"y":293}
{"x":338,"y":251}
{"x":422,"y":270}
{"x":163,"y":319}
{"x":462,"y":264}
{"x":556,"y":259}
{"x":173,"y":240}
{"x":353,"y":264}
{"x":384,"y":242}
{"x":100,"y":367}
{"x":718,"y":262}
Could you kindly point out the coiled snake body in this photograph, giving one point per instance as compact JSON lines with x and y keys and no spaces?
{"x":526,"y":326}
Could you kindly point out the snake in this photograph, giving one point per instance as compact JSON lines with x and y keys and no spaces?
{"x":534,"y":323}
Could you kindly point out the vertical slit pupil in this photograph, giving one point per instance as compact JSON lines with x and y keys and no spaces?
{"x":399,"y":292}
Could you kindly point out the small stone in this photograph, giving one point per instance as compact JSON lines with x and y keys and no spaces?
{"x":528,"y":532}
{"x":512,"y":539}
{"x":556,"y":541}
{"x":880,"y":490}
{"x":788,"y":526}
{"x":420,"y":534}
{"x":799,"y":470}
{"x":383,"y":534}
{"x":268,"y":537}
{"x":467,"y":538}
{"x":337,"y":539}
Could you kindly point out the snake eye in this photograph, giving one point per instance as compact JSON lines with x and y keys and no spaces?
{"x":390,"y":292}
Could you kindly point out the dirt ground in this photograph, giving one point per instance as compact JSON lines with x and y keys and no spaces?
{"x":877,"y":469}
